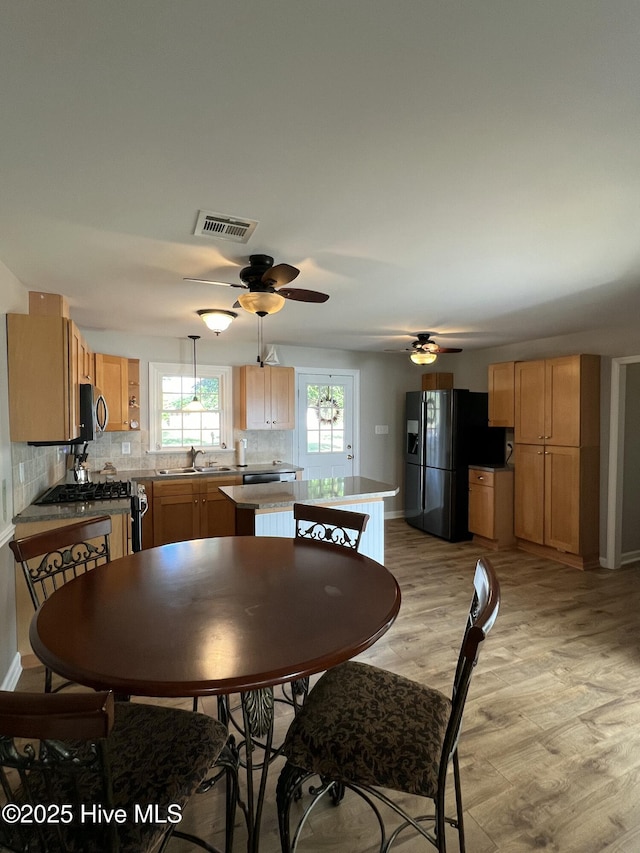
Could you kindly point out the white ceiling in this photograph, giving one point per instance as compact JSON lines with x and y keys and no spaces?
{"x":469,"y":167}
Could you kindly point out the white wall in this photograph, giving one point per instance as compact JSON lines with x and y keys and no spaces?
{"x":13,"y":298}
{"x":384,"y":379}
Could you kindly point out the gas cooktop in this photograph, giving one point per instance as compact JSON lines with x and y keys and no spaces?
{"x":84,"y":492}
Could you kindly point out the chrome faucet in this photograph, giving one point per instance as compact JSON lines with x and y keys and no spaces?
{"x":194,"y":454}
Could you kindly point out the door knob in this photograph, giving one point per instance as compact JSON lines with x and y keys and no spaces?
{"x":349,"y":456}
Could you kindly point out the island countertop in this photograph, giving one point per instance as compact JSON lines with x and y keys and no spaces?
{"x":265,"y":496}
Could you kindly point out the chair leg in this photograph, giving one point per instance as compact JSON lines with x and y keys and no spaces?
{"x":458,"y":787}
{"x":289,"y":782}
{"x":441,"y":823}
{"x":47,"y":680}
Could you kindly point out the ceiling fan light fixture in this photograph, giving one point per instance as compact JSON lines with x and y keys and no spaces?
{"x":217,"y":320}
{"x":420,"y":357}
{"x":261,"y":302}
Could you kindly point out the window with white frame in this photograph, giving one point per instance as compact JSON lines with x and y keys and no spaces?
{"x":174,"y":427}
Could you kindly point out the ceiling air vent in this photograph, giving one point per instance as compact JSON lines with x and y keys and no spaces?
{"x":223,"y":227}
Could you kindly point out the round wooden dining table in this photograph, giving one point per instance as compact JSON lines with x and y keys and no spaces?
{"x":218,"y":616}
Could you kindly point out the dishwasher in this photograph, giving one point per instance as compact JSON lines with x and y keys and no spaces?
{"x":269,"y":477}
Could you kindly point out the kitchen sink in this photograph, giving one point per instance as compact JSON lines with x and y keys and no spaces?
{"x":178,"y":472}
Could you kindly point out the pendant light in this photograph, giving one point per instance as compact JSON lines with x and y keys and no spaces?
{"x":195,"y":405}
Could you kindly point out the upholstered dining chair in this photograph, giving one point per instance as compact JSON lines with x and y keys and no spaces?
{"x":69,"y":761}
{"x":331,"y":527}
{"x":365,"y":729}
{"x":51,"y":558}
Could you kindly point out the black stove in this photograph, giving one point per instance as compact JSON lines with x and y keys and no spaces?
{"x":84,"y":492}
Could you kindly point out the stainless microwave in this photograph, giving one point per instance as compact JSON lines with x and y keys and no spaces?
{"x":94,"y":413}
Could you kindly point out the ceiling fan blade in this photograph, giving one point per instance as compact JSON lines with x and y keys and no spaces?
{"x":208,"y":281}
{"x":438,"y":349}
{"x":300,"y":295}
{"x":280,"y":274}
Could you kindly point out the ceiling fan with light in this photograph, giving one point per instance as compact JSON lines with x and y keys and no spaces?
{"x":266,"y":286}
{"x":424,"y":350}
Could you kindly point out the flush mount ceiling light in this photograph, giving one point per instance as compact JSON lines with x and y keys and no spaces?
{"x":420,"y":357}
{"x":217,"y":320}
{"x":195,"y":405}
{"x":261,"y":302}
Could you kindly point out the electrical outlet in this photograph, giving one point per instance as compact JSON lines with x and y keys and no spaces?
{"x":381,"y":429}
{"x":126,"y":448}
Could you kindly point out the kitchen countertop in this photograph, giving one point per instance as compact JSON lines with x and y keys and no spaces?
{"x":229,"y":470}
{"x":331,"y":490}
{"x":64,"y":512}
{"x":491,"y":467}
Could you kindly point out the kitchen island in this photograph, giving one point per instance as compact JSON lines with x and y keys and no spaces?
{"x":266,"y":509}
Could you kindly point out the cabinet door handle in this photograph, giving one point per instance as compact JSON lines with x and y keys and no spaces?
{"x":539,"y":452}
{"x":547,"y":436}
{"x":480,"y":478}
{"x":540,"y":436}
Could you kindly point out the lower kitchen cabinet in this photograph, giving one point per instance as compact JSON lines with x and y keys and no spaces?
{"x":557,"y":502}
{"x":189,"y":508}
{"x":491,"y":507}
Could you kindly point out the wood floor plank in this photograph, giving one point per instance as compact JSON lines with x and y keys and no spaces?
{"x":550,"y":748}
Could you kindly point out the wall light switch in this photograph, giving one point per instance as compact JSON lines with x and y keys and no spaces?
{"x":126,"y":448}
{"x":381,"y":429}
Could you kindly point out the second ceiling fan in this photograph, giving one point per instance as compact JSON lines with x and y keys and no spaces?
{"x":266,"y":286}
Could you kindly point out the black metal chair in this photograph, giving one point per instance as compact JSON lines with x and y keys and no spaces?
{"x":68,"y":761}
{"x":365,"y":729}
{"x":329,"y":525}
{"x":51,"y":558}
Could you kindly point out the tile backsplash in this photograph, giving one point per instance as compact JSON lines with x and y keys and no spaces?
{"x":36,"y":468}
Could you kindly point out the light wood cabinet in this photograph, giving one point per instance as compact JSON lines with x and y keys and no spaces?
{"x":557,"y":401}
{"x":557,"y":433}
{"x":265,"y":397}
{"x":133,"y":392}
{"x":491,"y":507}
{"x":502,"y":394}
{"x":557,"y":502}
{"x":47,"y":359}
{"x":437,"y":381}
{"x":112,"y":380}
{"x":190,"y":508}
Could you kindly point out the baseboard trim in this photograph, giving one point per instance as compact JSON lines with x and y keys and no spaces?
{"x":10,"y":681}
{"x":394,"y":513}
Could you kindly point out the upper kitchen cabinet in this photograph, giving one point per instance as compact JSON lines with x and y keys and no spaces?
{"x":557,"y":401}
{"x":502,"y":394}
{"x":47,"y":361}
{"x":117,"y":379}
{"x":265,"y":397}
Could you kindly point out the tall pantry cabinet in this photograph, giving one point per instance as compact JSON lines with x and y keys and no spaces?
{"x":557,"y":459}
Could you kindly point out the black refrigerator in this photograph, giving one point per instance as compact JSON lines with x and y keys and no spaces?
{"x":446,"y":431}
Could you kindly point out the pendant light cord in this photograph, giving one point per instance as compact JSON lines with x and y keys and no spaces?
{"x":195,"y":338}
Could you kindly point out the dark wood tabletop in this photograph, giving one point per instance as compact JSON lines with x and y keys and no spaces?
{"x":215,"y":616}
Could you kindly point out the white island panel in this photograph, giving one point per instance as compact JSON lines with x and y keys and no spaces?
{"x":371,"y":544}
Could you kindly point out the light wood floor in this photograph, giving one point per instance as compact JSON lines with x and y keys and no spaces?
{"x":550,"y":749}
